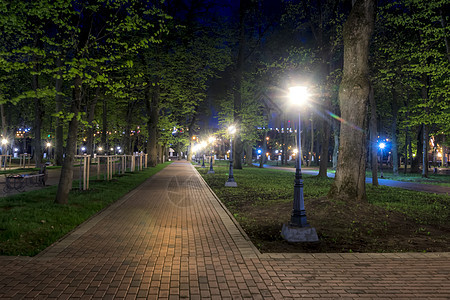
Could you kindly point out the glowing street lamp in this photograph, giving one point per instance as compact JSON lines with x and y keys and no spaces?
{"x":48,"y":149}
{"x":230,"y":182}
{"x":298,"y":229}
{"x":382,"y":146}
{"x":4,"y":144}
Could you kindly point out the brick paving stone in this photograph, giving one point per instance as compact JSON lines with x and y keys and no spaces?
{"x":172,"y":238}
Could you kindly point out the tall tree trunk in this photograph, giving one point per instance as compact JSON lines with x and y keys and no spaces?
{"x":424,"y":151}
{"x":37,"y":122}
{"x":408,"y":155}
{"x":191,"y":147}
{"x":160,"y":149}
{"x":59,"y":133}
{"x":326,"y":132}
{"x":353,"y":98}
{"x":4,"y":124}
{"x":373,"y":137}
{"x":127,"y":144}
{"x":152,"y":104}
{"x":394,"y":147}
{"x":191,"y":138}
{"x":415,"y":165}
{"x":444,"y":153}
{"x":323,"y":164}
{"x":238,"y":147}
{"x":424,"y":128}
{"x":336,"y":144}
{"x":248,"y":154}
{"x":66,"y":177}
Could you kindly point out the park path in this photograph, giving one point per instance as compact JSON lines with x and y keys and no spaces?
{"x":171,"y":238}
{"x":419,"y":187}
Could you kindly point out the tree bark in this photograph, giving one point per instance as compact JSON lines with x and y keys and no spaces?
{"x":37,"y":122}
{"x":238,"y":147}
{"x":424,"y":151}
{"x":152,"y":104}
{"x":336,"y":144}
{"x":191,"y":147}
{"x":394,"y":144}
{"x":408,"y":149}
{"x":424,"y":128}
{"x":323,"y":164}
{"x":248,"y":154}
{"x":59,"y":133}
{"x":65,"y":180}
{"x":191,"y":136}
{"x":415,"y":165}
{"x":353,"y":98}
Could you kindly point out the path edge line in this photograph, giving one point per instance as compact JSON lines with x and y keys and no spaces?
{"x":230,"y":215}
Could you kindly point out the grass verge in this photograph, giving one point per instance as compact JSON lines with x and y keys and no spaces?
{"x":31,"y":221}
{"x":392,"y":220}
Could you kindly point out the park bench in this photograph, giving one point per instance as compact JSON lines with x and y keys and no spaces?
{"x":18,"y":182}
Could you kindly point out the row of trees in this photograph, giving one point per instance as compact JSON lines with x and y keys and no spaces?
{"x":146,"y":74}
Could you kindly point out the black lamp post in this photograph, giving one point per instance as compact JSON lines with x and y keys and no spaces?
{"x":211,"y":141}
{"x":298,"y":229}
{"x":230,"y":182}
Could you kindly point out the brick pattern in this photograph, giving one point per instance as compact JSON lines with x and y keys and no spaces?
{"x":172,"y":239}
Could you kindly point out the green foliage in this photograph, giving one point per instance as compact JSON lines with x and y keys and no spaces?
{"x":410,"y":44}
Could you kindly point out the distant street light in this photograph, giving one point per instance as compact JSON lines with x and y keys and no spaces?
{"x":382,"y":146}
{"x":203,"y":154}
{"x":48,"y":149}
{"x":230,"y":182}
{"x":211,"y":141}
{"x":298,"y":229}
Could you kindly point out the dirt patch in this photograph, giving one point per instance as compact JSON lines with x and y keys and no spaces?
{"x":342,"y":226}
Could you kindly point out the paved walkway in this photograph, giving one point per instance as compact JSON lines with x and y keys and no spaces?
{"x":171,"y":238}
{"x":419,"y":187}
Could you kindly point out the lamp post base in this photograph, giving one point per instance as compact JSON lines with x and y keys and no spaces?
{"x":211,"y":172}
{"x":299,"y":234}
{"x":231,"y":184}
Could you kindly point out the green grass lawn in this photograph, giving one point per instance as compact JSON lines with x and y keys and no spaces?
{"x":437,"y":179}
{"x":30,"y":221}
{"x":392,"y":219}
